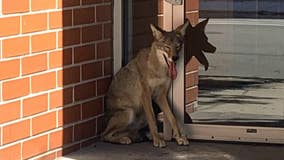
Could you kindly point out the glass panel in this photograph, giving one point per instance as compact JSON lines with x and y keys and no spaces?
{"x":244,"y":84}
{"x":136,"y":25}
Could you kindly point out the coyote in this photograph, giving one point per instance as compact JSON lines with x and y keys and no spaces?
{"x":145,"y":78}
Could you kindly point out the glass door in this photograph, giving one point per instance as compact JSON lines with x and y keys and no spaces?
{"x":241,"y":96}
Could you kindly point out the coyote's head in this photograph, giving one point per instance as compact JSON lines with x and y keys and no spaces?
{"x":168,"y":45}
{"x":196,"y":43}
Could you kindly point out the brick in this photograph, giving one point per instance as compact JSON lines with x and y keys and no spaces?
{"x":68,"y":76}
{"x":59,"y":138}
{"x":92,"y":70}
{"x":11,"y":153}
{"x":84,"y":15}
{"x":69,"y":115}
{"x":103,"y":13}
{"x":104,"y":49}
{"x":9,"y":49}
{"x":143,"y":9}
{"x":9,"y":26}
{"x":35,"y":147}
{"x":60,"y":19}
{"x":192,"y":5}
{"x":60,"y":118}
{"x":190,"y":108}
{"x":60,"y":58}
{"x":69,"y":37}
{"x":108,"y":67}
{"x":35,"y":105}
{"x":191,"y":95}
{"x":9,"y":69}
{"x":43,"y":4}
{"x":85,"y":53}
{"x":15,"y":88}
{"x":191,"y":79}
{"x":108,"y":27}
{"x":34,"y":22}
{"x":142,"y":41}
{"x":101,"y":124}
{"x":160,"y":6}
{"x":85,"y":91}
{"x":39,"y":42}
{"x":141,"y":26}
{"x":85,"y":130}
{"x":43,"y":82}
{"x":16,"y":131}
{"x":33,"y":64}
{"x":0,"y":135}
{"x":15,"y":6}
{"x":193,"y":17}
{"x":49,"y":156}
{"x":92,"y":108}
{"x":10,"y":111}
{"x":61,"y":98}
{"x":85,"y":2}
{"x":192,"y":65}
{"x":92,"y":33}
{"x":68,"y":3}
{"x":102,"y":86}
{"x":161,"y":21}
{"x":43,"y":123}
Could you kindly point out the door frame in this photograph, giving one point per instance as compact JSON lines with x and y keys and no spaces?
{"x":174,"y":16}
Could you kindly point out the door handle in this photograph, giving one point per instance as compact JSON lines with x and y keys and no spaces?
{"x":175,"y":2}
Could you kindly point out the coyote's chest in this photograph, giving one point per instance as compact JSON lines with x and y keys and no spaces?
{"x":158,"y":73}
{"x":157,"y":81}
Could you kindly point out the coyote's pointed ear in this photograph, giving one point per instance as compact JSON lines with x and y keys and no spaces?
{"x":182,"y":28}
{"x":202,"y":24}
{"x":157,"y":32}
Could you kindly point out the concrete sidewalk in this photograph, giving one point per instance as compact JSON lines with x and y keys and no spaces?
{"x":196,"y":151}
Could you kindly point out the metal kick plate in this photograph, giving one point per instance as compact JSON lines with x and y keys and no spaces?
{"x":175,"y":2}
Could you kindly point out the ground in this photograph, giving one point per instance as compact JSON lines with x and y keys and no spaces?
{"x":195,"y":151}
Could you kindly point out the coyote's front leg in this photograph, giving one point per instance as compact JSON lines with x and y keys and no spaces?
{"x":158,"y":141}
{"x":163,"y":104}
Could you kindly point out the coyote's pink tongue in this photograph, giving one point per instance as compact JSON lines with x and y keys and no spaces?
{"x":172,"y":71}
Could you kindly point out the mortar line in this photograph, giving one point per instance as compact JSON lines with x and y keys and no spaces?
{"x":1,"y":8}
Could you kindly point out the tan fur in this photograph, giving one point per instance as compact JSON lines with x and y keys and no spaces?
{"x":143,"y":79}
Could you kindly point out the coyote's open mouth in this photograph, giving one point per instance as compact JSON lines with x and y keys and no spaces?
{"x":172,"y":71}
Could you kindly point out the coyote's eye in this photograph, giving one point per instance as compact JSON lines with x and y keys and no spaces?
{"x":167,"y":49}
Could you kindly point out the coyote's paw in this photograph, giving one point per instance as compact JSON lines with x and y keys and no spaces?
{"x":159,"y":141}
{"x":125,"y":140}
{"x":182,"y":141}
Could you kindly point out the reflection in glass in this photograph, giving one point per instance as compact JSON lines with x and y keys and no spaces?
{"x":244,"y":84}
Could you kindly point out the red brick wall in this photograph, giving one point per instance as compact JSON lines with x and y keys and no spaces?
{"x":55,"y":67}
{"x":191,"y":69}
{"x":144,"y":13}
